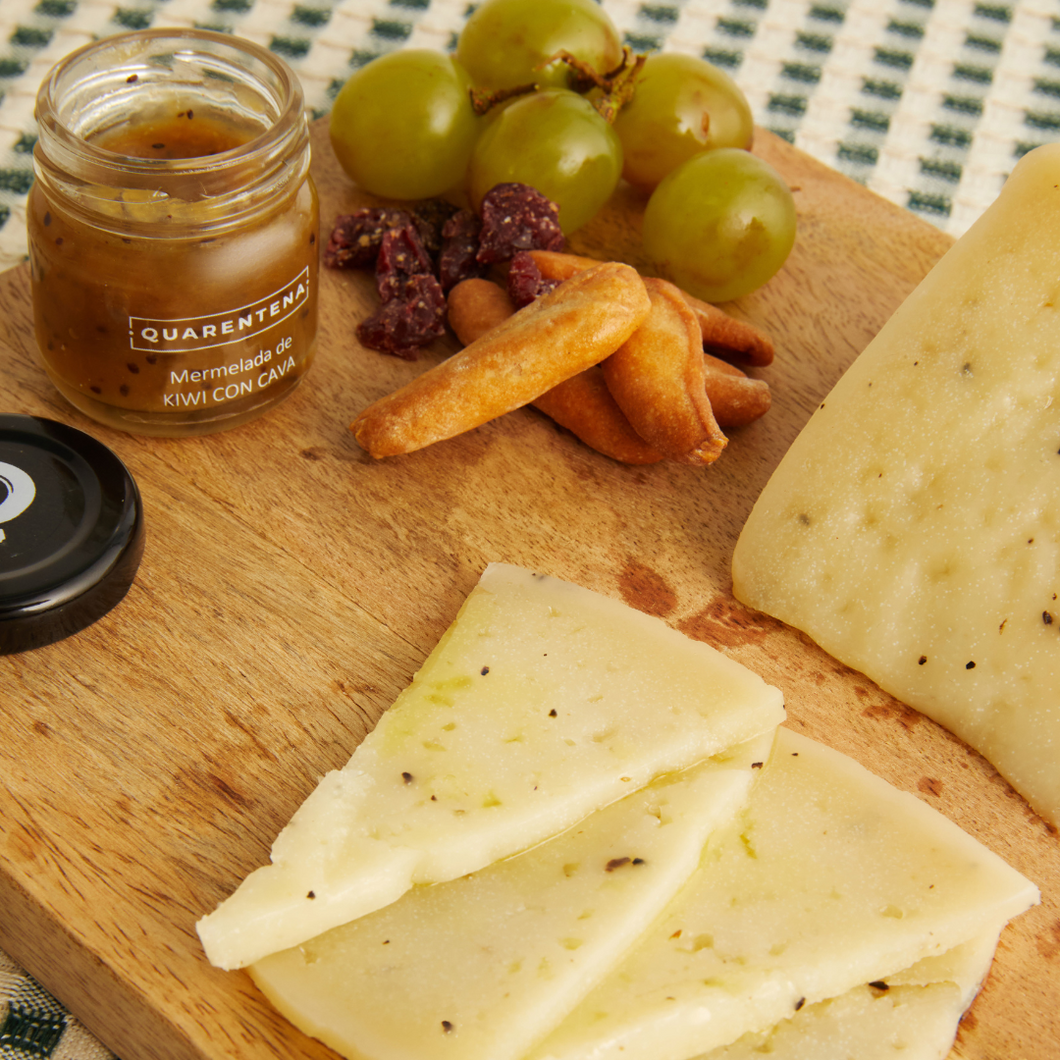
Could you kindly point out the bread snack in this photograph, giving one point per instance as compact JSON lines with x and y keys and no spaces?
{"x":735,"y":398}
{"x":722,"y":334}
{"x":582,"y":404}
{"x":559,"y":265}
{"x":731,"y":338}
{"x":657,"y":378}
{"x":476,"y":306}
{"x":577,"y":325}
{"x":912,"y":528}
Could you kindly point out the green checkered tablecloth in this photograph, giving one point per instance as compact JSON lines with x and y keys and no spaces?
{"x":34,"y":1025}
{"x":928,"y":102}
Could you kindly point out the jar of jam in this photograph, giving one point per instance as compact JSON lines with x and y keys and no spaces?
{"x":173,"y":231}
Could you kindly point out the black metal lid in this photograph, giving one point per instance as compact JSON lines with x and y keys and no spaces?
{"x":71,"y":531}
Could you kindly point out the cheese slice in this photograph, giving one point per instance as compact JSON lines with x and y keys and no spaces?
{"x":830,"y":879}
{"x":879,"y":1021}
{"x":481,"y":967}
{"x":913,"y":528}
{"x":541,"y":703}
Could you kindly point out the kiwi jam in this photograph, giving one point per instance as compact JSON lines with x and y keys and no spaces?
{"x":173,"y":232}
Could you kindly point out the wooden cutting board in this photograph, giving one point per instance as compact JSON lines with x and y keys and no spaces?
{"x":291,"y":586}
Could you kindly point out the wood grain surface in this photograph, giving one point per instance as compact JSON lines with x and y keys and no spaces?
{"x":291,"y":586}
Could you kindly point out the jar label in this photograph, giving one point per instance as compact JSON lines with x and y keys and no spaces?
{"x":192,"y":334}
{"x":180,"y":336}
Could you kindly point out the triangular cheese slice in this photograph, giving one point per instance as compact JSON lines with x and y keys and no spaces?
{"x":913,"y":1015}
{"x":832,"y":879}
{"x":913,"y":528}
{"x":542,"y":703}
{"x":481,"y":967}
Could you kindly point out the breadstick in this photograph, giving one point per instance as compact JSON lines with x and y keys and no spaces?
{"x":658,"y":379}
{"x":475,"y":306}
{"x":582,"y":404}
{"x":735,"y":398}
{"x":560,"y":334}
{"x":585,"y":406}
{"x":559,"y":265}
{"x":722,"y":333}
{"x":731,"y":337}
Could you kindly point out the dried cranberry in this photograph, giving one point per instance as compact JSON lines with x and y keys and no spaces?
{"x":404,"y":323}
{"x":525,"y":282}
{"x":401,"y":256}
{"x":355,"y":239}
{"x":429,"y":217}
{"x":517,"y":217}
{"x":458,"y":260}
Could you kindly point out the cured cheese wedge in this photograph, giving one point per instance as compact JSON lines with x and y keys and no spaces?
{"x":830,"y":879}
{"x":913,"y":528}
{"x":541,"y":703}
{"x":481,"y":967}
{"x":913,"y":1015}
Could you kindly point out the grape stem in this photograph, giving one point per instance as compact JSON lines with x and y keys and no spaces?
{"x":616,"y":87}
{"x":483,"y":100}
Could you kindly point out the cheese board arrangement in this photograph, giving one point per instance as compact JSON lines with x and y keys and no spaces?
{"x":292,"y":585}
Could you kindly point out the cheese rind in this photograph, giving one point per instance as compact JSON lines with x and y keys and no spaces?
{"x":481,"y":967}
{"x":913,"y":528}
{"x":831,"y":879}
{"x":542,"y":703}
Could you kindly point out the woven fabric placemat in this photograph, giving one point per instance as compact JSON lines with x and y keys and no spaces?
{"x":33,"y":1024}
{"x":927,"y":102}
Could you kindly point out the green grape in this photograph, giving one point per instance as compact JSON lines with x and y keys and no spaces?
{"x":682,"y":105}
{"x":403,"y":126}
{"x":506,"y":42}
{"x":720,"y":225}
{"x":557,"y":143}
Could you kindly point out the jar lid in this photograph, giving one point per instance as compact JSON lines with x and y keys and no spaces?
{"x":71,"y":531}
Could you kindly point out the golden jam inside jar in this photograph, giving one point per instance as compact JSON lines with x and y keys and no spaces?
{"x":173,"y":232}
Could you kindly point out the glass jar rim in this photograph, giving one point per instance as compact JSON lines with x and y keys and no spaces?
{"x":286,"y":92}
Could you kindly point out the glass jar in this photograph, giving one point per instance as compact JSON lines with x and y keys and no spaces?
{"x":173,"y":231}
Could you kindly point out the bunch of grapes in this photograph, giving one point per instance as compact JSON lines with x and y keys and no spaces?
{"x":572,"y":113}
